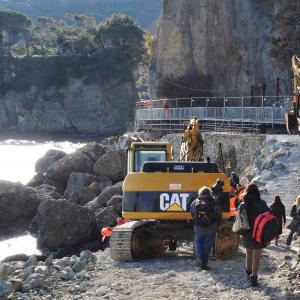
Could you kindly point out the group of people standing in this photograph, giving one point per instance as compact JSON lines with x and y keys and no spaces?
{"x":207,"y":218}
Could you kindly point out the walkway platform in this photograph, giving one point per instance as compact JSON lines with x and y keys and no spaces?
{"x":215,"y":115}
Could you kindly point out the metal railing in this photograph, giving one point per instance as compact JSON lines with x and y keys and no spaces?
{"x":237,"y":110}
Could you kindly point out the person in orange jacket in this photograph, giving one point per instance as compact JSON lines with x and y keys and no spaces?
{"x":232,"y":200}
{"x":106,"y":233}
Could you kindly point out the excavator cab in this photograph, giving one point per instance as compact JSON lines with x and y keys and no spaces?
{"x":141,"y":152}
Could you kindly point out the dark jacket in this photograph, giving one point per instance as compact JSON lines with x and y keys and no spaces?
{"x":295,"y":224}
{"x":278,"y":210}
{"x":212,"y":228}
{"x":236,"y":179}
{"x":253,"y":206}
{"x":293,"y":211}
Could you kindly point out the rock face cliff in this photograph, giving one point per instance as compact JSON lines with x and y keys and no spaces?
{"x":36,"y":96}
{"x":216,"y":45}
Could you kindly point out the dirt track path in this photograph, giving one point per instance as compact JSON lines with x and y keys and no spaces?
{"x":177,"y":277}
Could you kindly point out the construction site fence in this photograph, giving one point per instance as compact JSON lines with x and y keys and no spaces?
{"x":158,"y":114}
{"x":254,"y":101}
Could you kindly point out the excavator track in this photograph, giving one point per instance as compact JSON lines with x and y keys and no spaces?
{"x":126,"y":242}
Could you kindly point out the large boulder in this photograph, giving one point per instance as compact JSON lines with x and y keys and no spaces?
{"x":106,"y":217}
{"x":18,"y":205}
{"x":101,"y":201}
{"x":83,"y":188}
{"x":47,"y":192}
{"x":112,"y":165}
{"x":44,"y":192}
{"x":63,"y":224}
{"x":81,"y":161}
{"x":37,"y":180}
{"x":48,"y":159}
{"x":94,"y":150}
{"x":116,"y":202}
{"x":58,"y":174}
{"x":77,"y":182}
{"x":90,"y":192}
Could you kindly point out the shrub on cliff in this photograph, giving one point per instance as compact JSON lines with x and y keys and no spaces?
{"x":12,"y":25}
{"x":13,"y":22}
{"x":121,"y":34}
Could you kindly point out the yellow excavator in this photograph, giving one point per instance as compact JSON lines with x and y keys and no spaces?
{"x":192,"y":142}
{"x":157,"y":193}
{"x":292,"y":118}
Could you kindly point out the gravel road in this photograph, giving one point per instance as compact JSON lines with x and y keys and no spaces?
{"x":176,"y":276}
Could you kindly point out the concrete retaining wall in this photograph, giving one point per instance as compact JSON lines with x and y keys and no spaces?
{"x":238,"y":149}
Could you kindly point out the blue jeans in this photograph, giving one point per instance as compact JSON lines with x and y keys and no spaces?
{"x":203,"y":244}
{"x":290,"y":238}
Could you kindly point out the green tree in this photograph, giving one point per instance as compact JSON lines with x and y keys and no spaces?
{"x":51,"y":37}
{"x":13,"y":22}
{"x":83,"y":21}
{"x":149,"y":41}
{"x":121,"y":34}
{"x":146,"y":12}
{"x":13,"y":25}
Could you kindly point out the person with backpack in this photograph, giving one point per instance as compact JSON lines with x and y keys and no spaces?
{"x":254,"y":207}
{"x":278,"y":209}
{"x":295,"y":213}
{"x":206,"y":221}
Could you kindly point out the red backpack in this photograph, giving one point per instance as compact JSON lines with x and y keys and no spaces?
{"x":265,"y":228}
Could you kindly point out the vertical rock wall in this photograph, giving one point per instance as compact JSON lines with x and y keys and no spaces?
{"x":216,"y":45}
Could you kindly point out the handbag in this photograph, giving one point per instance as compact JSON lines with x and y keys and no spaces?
{"x":295,"y":224}
{"x":241,"y":223}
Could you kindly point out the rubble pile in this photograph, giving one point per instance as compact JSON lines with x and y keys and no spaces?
{"x":20,"y":279}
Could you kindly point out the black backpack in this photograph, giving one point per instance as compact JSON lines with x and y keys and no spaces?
{"x":203,"y":212}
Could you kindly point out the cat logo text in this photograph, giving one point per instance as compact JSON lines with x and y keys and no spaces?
{"x":173,"y":202}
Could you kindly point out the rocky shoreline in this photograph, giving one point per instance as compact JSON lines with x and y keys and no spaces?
{"x":71,"y":197}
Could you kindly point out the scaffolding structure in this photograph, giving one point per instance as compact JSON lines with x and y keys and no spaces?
{"x":240,"y":114}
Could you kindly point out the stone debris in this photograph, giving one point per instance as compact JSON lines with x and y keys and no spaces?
{"x":35,"y":280}
{"x":95,"y":275}
{"x":32,"y":261}
{"x":5,"y":271}
{"x":6,"y":288}
{"x":66,"y":274}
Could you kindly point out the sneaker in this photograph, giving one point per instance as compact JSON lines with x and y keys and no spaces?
{"x":205,"y":267}
{"x":253,"y":280}
{"x":198,"y":262}
{"x":213,"y":257}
